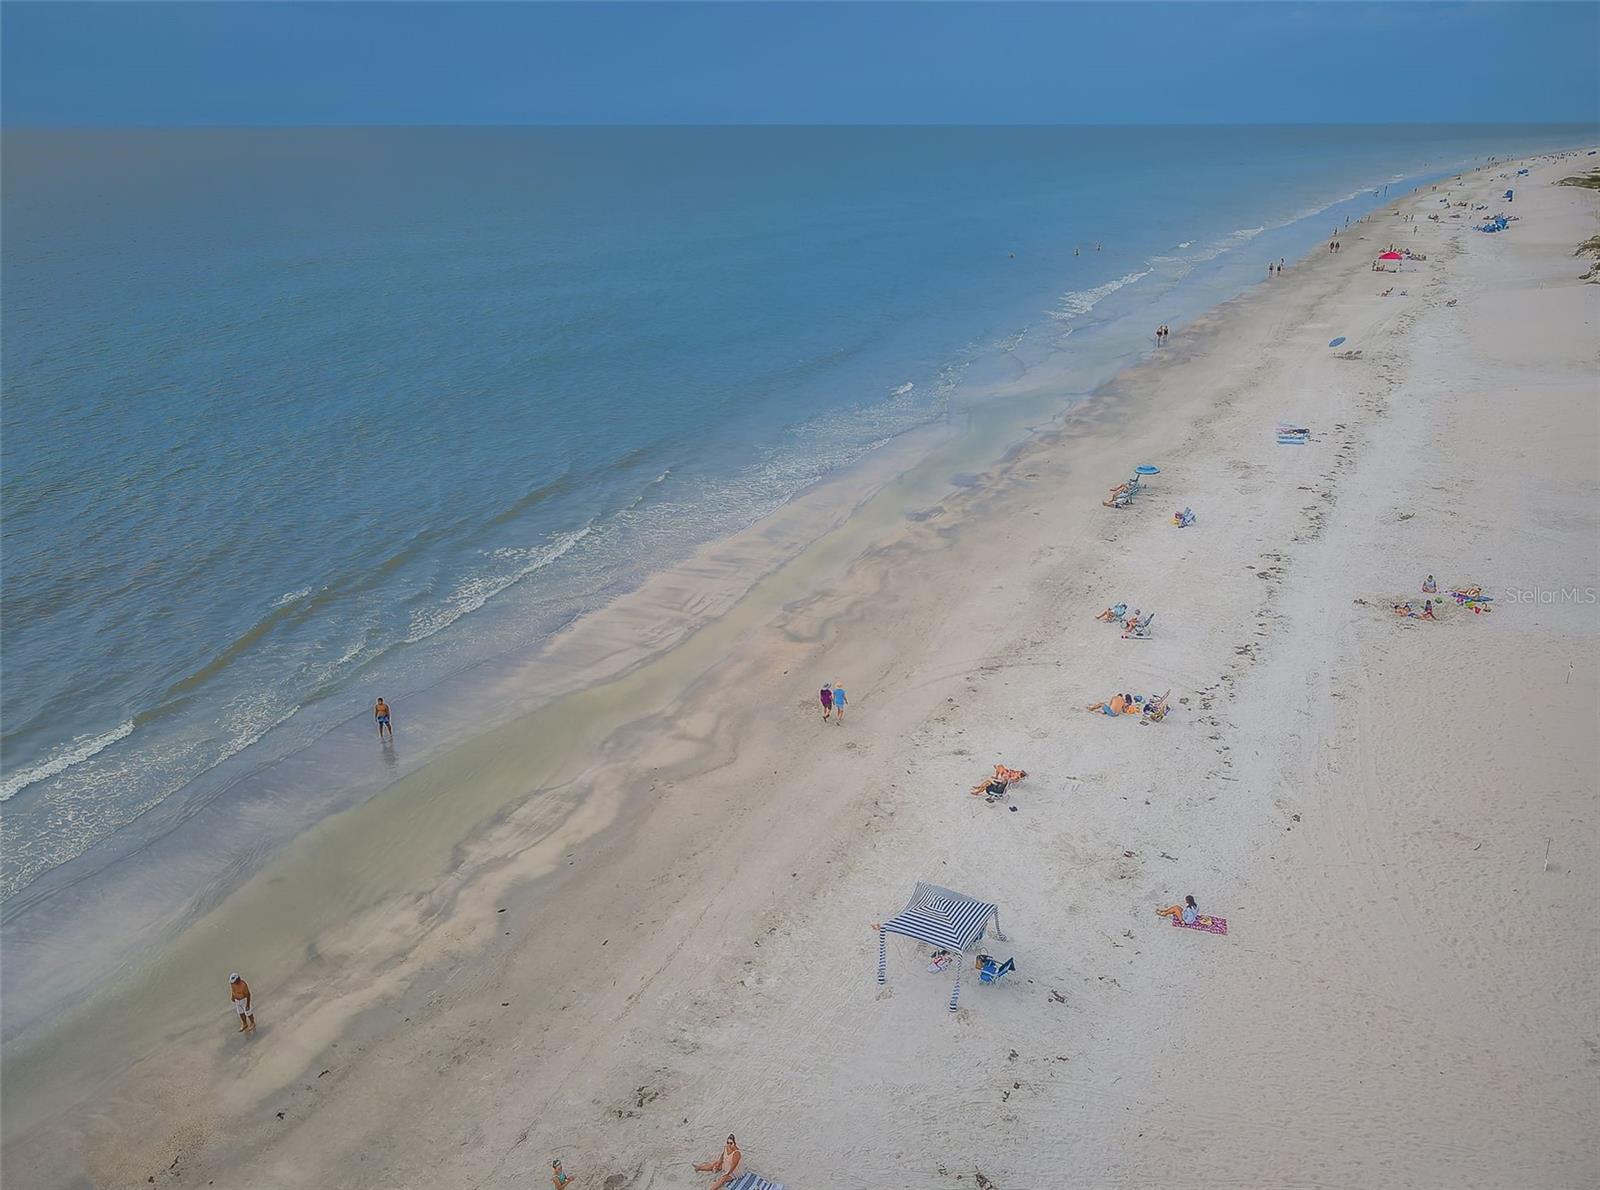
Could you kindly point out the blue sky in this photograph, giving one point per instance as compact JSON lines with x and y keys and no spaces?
{"x":714,"y":63}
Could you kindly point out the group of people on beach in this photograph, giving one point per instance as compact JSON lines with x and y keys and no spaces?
{"x":1161,"y":335}
{"x":833,"y":701}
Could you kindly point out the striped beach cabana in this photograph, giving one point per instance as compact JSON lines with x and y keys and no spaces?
{"x":940,"y":918}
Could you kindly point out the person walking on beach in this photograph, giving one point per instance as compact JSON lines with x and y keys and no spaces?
{"x":827,"y":702}
{"x":243,"y":1004}
{"x":838,"y":703}
{"x":380,"y":712}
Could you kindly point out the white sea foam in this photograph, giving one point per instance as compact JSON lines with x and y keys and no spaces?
{"x":1187,"y":244}
{"x":476,"y":590}
{"x":289,"y":597}
{"x":64,"y":757}
{"x":1080,"y":301}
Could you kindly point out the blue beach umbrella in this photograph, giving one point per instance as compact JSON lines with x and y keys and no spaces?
{"x":1336,"y":342}
{"x":1146,"y":469}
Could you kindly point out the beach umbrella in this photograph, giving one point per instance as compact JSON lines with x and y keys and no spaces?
{"x":1391,"y":256}
{"x":1146,"y":469}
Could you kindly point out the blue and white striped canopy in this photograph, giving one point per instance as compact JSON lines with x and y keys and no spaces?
{"x":943,"y":918}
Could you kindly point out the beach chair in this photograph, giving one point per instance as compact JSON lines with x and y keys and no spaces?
{"x":991,"y":970}
{"x":1155,"y":707}
{"x":1140,"y":629}
{"x":1121,"y":496}
{"x":1183,"y":519}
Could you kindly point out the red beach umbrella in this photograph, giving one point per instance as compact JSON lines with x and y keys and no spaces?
{"x":1391,"y":256}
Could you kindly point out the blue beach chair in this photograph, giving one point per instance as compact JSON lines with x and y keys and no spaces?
{"x":993,"y":971}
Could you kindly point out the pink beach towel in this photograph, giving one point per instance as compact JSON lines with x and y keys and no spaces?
{"x":1210,"y":925}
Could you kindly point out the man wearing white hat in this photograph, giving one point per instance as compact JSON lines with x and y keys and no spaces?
{"x":242,"y":1003}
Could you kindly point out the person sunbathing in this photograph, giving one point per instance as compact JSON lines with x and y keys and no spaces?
{"x":727,"y":1163}
{"x":1119,"y":704}
{"x":1404,"y":609}
{"x":1188,"y":912}
{"x":1115,"y":612}
{"x":1429,"y":587}
{"x":1427,"y":612}
{"x":1131,"y":622}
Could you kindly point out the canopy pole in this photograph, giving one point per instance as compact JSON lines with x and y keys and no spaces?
{"x":955,"y":993}
{"x":883,"y":953}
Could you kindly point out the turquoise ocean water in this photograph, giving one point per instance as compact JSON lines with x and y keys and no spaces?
{"x":294,"y":418}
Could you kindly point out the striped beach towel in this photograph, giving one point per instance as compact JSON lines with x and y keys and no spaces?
{"x":750,"y":1181}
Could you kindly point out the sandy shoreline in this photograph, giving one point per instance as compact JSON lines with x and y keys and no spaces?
{"x":684,"y":948}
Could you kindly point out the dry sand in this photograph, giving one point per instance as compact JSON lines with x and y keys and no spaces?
{"x":1406,"y":995}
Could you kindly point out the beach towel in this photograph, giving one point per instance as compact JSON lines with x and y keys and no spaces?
{"x":750,"y":1181}
{"x":1205,"y":923}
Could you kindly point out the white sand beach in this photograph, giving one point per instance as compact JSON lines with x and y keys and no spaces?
{"x":640,"y":918}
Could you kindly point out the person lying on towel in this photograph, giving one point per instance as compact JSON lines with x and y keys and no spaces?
{"x":1119,"y":704}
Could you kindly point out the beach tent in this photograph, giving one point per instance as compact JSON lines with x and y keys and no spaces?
{"x":1388,"y":256}
{"x":941,"y":918}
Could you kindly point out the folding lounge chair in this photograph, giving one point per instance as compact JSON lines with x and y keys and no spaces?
{"x":1183,"y":519}
{"x":1121,"y":496}
{"x":1140,"y":629}
{"x":993,"y":971}
{"x":1155,"y":708}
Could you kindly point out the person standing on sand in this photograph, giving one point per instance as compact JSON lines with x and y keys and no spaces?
{"x":380,"y":712}
{"x":243,"y":1004}
{"x":827,"y":702}
{"x":838,"y":703}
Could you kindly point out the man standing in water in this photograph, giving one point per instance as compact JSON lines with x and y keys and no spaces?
{"x":239,"y":990}
{"x":380,"y":712}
